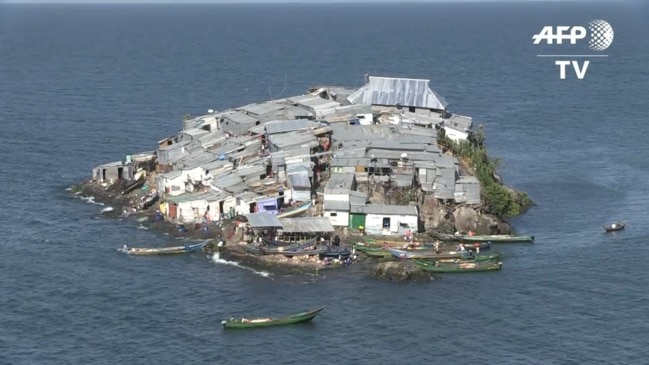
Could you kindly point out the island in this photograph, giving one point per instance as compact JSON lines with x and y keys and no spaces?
{"x":294,"y":181}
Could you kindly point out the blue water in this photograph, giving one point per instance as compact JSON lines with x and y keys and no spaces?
{"x":84,"y":85}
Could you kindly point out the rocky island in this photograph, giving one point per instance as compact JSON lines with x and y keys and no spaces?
{"x":308,"y":173}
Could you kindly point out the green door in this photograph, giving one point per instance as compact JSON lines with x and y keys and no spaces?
{"x":356,"y":220}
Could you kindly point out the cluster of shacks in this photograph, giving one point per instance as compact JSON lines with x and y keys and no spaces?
{"x":326,"y":151}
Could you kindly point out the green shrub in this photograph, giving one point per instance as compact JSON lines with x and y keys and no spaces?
{"x":496,"y":197}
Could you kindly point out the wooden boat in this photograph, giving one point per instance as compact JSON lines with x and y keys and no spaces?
{"x":372,"y":251}
{"x":314,"y":251}
{"x":425,"y":254}
{"x":270,"y":322}
{"x":468,"y":245}
{"x":476,"y":258}
{"x":617,"y":226}
{"x":337,"y":252}
{"x":296,"y":211}
{"x":460,"y":267}
{"x":495,"y":238}
{"x":285,"y":244}
{"x":274,"y":250}
{"x":175,"y":250}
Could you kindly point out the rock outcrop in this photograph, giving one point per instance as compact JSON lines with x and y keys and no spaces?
{"x":401,"y":271}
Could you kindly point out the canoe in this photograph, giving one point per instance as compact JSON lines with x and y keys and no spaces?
{"x":495,"y":238}
{"x":425,"y":254}
{"x":269,"y":322}
{"x":477,"y":258}
{"x":337,"y":252}
{"x":294,"y":212}
{"x":275,"y":250}
{"x":175,"y":250}
{"x":460,"y":267}
{"x":485,"y":245}
{"x":617,"y":226}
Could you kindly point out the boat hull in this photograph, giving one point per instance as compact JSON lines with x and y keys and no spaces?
{"x":176,"y":250}
{"x":461,"y":267}
{"x":271,"y":322}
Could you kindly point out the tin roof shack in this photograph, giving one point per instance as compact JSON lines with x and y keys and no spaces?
{"x":380,"y":219}
{"x":458,"y":127}
{"x":169,"y":154}
{"x":337,"y":198}
{"x":298,"y":229}
{"x":283,"y":141}
{"x":467,"y":190}
{"x":194,"y":207}
{"x":268,"y":205}
{"x":172,"y":183}
{"x":392,"y":94}
{"x":111,"y":172}
{"x":438,"y":176}
{"x":299,"y":184}
{"x":237,"y":123}
{"x":208,"y":122}
{"x":315,"y":105}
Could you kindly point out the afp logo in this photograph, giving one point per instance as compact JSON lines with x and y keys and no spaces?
{"x":600,"y":37}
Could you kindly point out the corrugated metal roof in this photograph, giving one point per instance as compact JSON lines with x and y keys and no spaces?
{"x":172,"y":174}
{"x":240,"y":118}
{"x":262,"y":108}
{"x":299,"y":180}
{"x":340,"y":181}
{"x":336,"y":205}
{"x":393,"y":91}
{"x":283,"y":126}
{"x":307,"y":225}
{"x":217,"y":165}
{"x":227,"y":181}
{"x":260,"y":220}
{"x":385,"y":209}
{"x":174,"y":146}
{"x":189,"y":197}
{"x":459,"y":122}
{"x":285,"y":140}
{"x":350,"y":162}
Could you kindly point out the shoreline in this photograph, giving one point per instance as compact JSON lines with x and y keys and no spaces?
{"x":232,"y":251}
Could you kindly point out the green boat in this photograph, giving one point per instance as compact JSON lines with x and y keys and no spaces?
{"x":464,"y":266}
{"x":478,"y":258}
{"x":495,"y":238}
{"x":270,"y":322}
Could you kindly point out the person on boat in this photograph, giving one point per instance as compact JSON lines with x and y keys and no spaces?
{"x":613,"y":225}
{"x":125,"y":248}
{"x":471,"y":234}
{"x":437,"y":250}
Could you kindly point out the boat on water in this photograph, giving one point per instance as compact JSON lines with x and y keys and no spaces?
{"x":175,"y":250}
{"x":269,"y":321}
{"x":296,"y":211}
{"x":617,"y":226}
{"x":464,"y":266}
{"x":475,"y":258}
{"x":426,"y":254}
{"x":494,"y":238}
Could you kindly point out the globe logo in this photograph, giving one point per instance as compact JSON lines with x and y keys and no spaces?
{"x":601,"y":35}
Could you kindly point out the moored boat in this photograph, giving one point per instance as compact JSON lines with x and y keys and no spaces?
{"x":425,"y":254}
{"x":460,"y":267}
{"x":295,"y":212}
{"x":494,"y":238}
{"x":175,"y":250}
{"x":617,"y":226}
{"x":269,"y":321}
{"x":476,"y":258}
